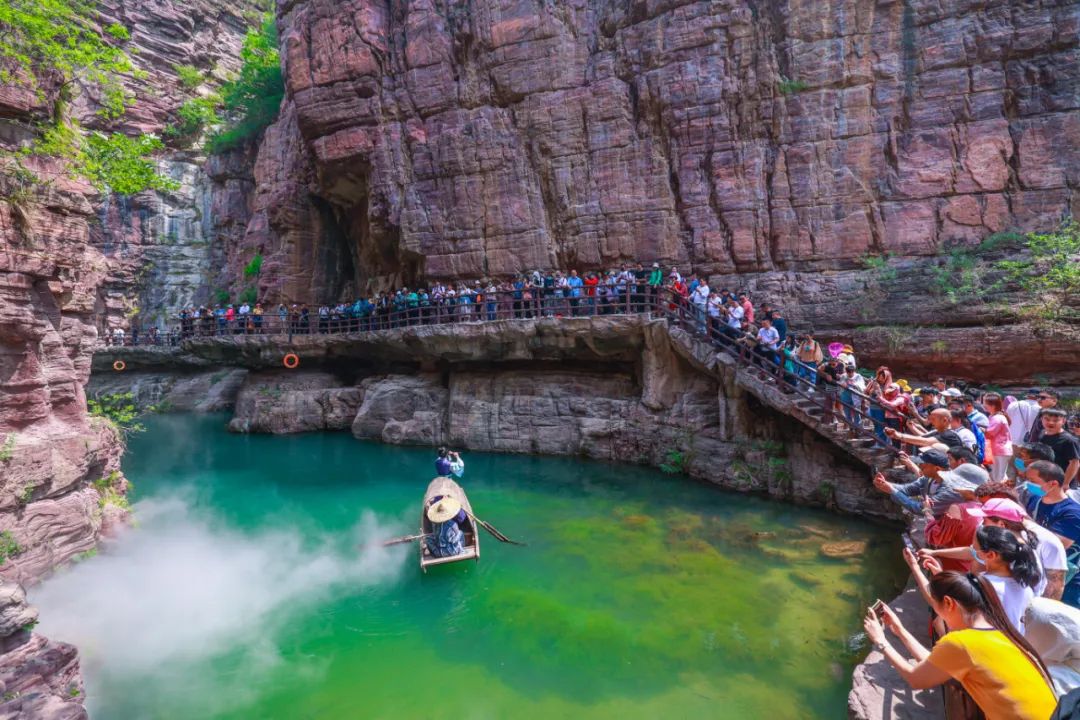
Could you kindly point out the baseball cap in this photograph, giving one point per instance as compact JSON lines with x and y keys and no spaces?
{"x":1002,"y":508}
{"x":1033,"y":392}
{"x":932,"y":457}
{"x":1057,"y":412}
{"x":966,"y":474}
{"x":952,"y":392}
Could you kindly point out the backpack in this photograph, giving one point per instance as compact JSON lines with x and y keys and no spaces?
{"x":980,"y":442}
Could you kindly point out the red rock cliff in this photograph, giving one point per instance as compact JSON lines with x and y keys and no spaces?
{"x":484,"y":137}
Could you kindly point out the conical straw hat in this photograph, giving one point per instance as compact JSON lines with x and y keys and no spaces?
{"x":443,"y":510}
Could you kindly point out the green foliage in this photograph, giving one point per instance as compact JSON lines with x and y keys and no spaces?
{"x":879,"y":265}
{"x":788,"y":87}
{"x":63,"y":35}
{"x":118,"y":31}
{"x":105,"y":482}
{"x":194,"y":116}
{"x":29,"y":627}
{"x":190,"y":76}
{"x":253,"y":268}
{"x":250,"y":101}
{"x":1004,"y":240}
{"x":26,"y":495}
{"x":7,"y":450}
{"x":118,"y":408}
{"x":961,"y":277}
{"x":825,"y":491}
{"x":114,"y":498}
{"x":9,"y":547}
{"x":771,"y":446}
{"x":84,"y":556}
{"x":249,"y":295}
{"x":674,"y":463}
{"x":112,"y":162}
{"x":222,"y":297}
{"x":1051,"y":270}
{"x":122,"y":164}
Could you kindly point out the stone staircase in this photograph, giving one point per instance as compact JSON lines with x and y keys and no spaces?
{"x":803,"y":402}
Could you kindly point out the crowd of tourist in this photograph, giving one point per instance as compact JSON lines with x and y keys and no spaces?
{"x":995,"y":481}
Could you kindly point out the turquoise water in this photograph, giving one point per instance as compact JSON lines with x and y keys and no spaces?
{"x":250,"y":589}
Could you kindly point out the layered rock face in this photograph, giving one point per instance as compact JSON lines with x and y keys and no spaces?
{"x":623,"y":389}
{"x":39,"y":678}
{"x":495,"y":136}
{"x":50,"y":451}
{"x":159,"y":246}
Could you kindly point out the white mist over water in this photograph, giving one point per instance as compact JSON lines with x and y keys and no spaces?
{"x":181,"y":589}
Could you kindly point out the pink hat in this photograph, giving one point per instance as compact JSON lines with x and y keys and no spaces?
{"x":1001,"y":508}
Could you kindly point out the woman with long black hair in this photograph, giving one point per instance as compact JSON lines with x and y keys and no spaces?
{"x":982,"y":650}
{"x":1009,"y":565}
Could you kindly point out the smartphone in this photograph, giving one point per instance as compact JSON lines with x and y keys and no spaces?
{"x":878,"y":608}
{"x":908,"y":542}
{"x":873,"y":471}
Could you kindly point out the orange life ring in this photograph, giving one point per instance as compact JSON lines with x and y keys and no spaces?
{"x":290,"y":361}
{"x":118,"y":365}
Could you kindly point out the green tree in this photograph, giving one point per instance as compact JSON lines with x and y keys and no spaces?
{"x":194,"y":116}
{"x":253,"y":268}
{"x":250,"y":101}
{"x":1050,"y":271}
{"x":38,"y":36}
{"x":123,"y":164}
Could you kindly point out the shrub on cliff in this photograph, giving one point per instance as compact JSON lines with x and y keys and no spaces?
{"x":250,"y":101}
{"x":117,"y":408}
{"x":39,"y":36}
{"x":60,"y":43}
{"x":1049,"y":271}
{"x":195,"y":115}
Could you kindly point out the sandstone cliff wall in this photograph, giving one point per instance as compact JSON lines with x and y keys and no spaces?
{"x":772,"y":145}
{"x":733,"y":136}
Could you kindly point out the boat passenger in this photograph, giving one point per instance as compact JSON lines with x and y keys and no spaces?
{"x":457,"y":465}
{"x":442,"y":463}
{"x":446,"y":539}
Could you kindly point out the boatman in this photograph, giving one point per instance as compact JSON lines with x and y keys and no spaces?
{"x":446,"y":539}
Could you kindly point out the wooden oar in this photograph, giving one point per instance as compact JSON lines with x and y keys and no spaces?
{"x":405,"y":539}
{"x":493,"y":530}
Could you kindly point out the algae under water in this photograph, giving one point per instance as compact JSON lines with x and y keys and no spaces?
{"x":244,"y":591}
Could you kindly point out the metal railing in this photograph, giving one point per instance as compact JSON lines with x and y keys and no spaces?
{"x":529,"y":304}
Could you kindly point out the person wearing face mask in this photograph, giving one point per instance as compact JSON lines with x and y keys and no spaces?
{"x":1008,"y":564}
{"x":981,"y":650}
{"x":1007,"y":513}
{"x":1049,"y":506}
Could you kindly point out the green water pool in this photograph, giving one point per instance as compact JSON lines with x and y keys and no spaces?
{"x":249,"y":589}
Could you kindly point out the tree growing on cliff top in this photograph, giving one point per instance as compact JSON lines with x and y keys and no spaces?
{"x":1050,"y":272}
{"x":250,"y":101}
{"x":41,"y":37}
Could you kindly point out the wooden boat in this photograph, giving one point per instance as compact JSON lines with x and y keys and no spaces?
{"x":448,"y":488}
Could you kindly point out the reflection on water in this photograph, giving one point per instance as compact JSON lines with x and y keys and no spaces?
{"x":251,"y":589}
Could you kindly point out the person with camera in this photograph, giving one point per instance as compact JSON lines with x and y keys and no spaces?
{"x":982,"y":650}
{"x":449,"y":463}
